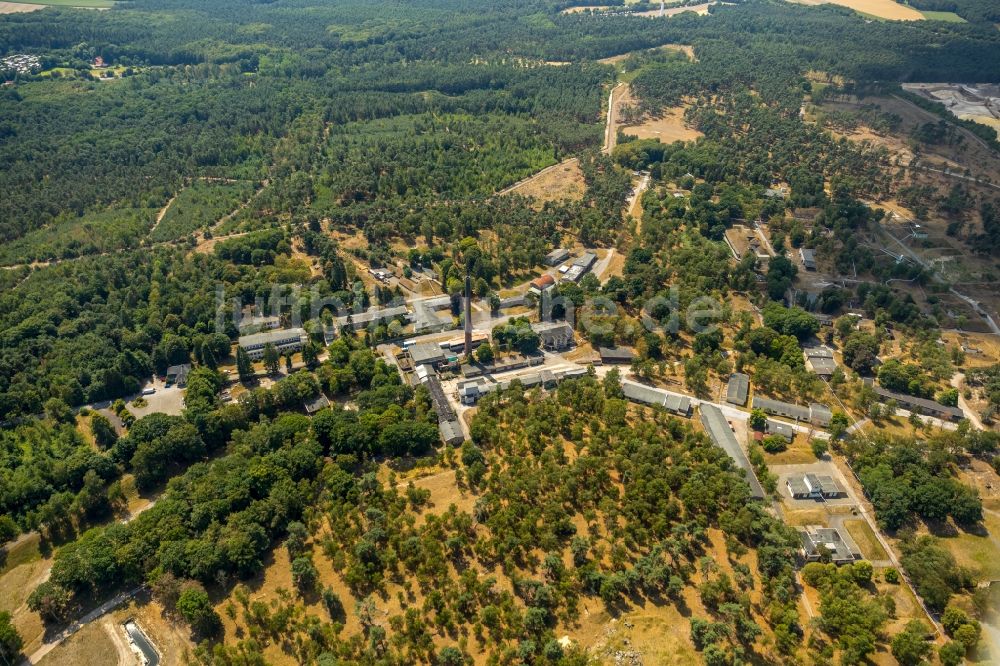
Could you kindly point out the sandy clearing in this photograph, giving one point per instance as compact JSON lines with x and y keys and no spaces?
{"x":668,"y":127}
{"x":886,"y":9}
{"x":587,"y":8}
{"x":700,"y":10}
{"x":686,"y":49}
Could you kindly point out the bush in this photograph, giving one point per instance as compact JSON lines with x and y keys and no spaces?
{"x":195,"y":607}
{"x":774,"y":443}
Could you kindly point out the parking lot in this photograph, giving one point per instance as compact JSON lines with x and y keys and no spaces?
{"x":167,"y":400}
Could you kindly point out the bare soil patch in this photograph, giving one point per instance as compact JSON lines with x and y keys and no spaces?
{"x":680,"y":48}
{"x":700,"y":10}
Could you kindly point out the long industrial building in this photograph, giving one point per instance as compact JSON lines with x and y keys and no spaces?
{"x":718,"y":429}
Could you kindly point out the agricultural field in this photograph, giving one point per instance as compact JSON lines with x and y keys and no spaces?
{"x":18,"y":7}
{"x":883,"y":9}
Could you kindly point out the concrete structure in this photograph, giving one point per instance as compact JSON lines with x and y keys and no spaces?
{"x":178,"y":374}
{"x":818,"y":542}
{"x":556,"y":257}
{"x":808,"y":257}
{"x":618,"y":355}
{"x":820,"y":361}
{"x":738,"y":389}
{"x":554,"y":335}
{"x":814,"y":486}
{"x":815,"y":413}
{"x":920,"y":405}
{"x":674,"y":403}
{"x":722,"y":435}
{"x":285,"y":340}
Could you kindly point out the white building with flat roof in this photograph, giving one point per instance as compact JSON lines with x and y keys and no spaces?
{"x":285,"y":340}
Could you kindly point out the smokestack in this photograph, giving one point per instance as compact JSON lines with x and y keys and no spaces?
{"x":468,"y":315}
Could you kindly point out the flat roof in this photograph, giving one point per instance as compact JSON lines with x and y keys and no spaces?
{"x":718,"y":429}
{"x":273,"y":336}
{"x":426,"y":352}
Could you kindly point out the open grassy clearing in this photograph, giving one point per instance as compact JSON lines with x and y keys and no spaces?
{"x":198,"y":206}
{"x":559,"y":182}
{"x":70,"y":236}
{"x":866,"y":540}
{"x":668,"y":127}
{"x":680,"y":48}
{"x":886,"y":9}
{"x":948,"y":17}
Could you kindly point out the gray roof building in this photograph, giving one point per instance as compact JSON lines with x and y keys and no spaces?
{"x":647,"y":395}
{"x":787,"y":409}
{"x":815,"y":413}
{"x":772,"y":427}
{"x":819,"y":540}
{"x":808,"y":258}
{"x":451,"y":432}
{"x":284,"y":340}
{"x":557,"y":256}
{"x":313,"y":405}
{"x":920,"y":405}
{"x":738,"y":388}
{"x":616,"y":355}
{"x":820,"y":360}
{"x":554,"y":334}
{"x":426,"y":353}
{"x":718,"y":429}
{"x":178,"y":374}
{"x":376,"y":315}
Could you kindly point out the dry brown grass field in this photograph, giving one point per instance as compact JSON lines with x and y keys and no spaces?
{"x":886,"y":9}
{"x":559,"y":182}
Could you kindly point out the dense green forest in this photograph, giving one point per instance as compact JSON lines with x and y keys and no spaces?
{"x":236,"y":144}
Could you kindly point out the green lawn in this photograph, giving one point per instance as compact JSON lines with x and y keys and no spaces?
{"x":92,"y":4}
{"x":950,"y":17}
